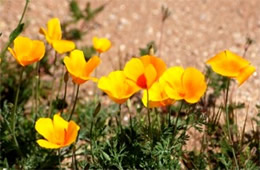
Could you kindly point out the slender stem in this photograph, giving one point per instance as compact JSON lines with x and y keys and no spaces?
{"x":119,"y":117}
{"x":75,"y":102}
{"x":60,"y":84}
{"x":169,"y":120}
{"x":75,"y":166}
{"x":15,"y":111}
{"x":52,"y":85}
{"x":37,"y":90}
{"x":95,"y":87}
{"x":148,"y":112}
{"x":161,"y":37}
{"x":228,"y":125}
{"x":177,"y":117}
{"x":25,"y":7}
{"x":64,"y":96}
{"x":20,"y":21}
{"x":91,"y":136}
{"x":59,"y":159}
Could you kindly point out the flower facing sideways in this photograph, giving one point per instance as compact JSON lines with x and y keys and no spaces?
{"x":101,"y":44}
{"x":117,"y":86}
{"x":58,"y":132}
{"x":188,"y":84}
{"x":157,"y":96}
{"x":144,"y":71}
{"x":231,"y":65}
{"x":53,"y":35}
{"x":27,"y":51}
{"x":78,"y":68}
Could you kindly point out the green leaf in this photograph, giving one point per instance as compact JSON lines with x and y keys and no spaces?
{"x":16,"y":32}
{"x":74,"y":8}
{"x":97,"y":109}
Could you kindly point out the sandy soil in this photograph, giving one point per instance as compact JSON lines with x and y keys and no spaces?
{"x":195,"y":31}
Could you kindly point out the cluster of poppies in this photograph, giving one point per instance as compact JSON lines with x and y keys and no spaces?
{"x":161,"y":86}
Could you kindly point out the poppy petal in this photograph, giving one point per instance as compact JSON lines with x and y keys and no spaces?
{"x":245,"y":73}
{"x":172,"y":78}
{"x":133,"y":69}
{"x":194,"y":85}
{"x":44,"y":127}
{"x":54,"y":29}
{"x":63,"y":46}
{"x":71,"y":133}
{"x":59,"y":125}
{"x":227,"y":63}
{"x":46,"y":144}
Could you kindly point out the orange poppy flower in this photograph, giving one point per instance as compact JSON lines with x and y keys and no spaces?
{"x":101,"y":44}
{"x":53,"y":35}
{"x":58,"y":132}
{"x":78,"y":68}
{"x":117,"y":86}
{"x":27,"y":51}
{"x":144,"y":71}
{"x":188,"y":84}
{"x":231,"y":65}
{"x":157,"y":96}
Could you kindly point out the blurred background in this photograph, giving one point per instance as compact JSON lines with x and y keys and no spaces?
{"x":194,"y":31}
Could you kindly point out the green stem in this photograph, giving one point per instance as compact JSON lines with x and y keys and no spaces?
{"x":60,"y":84}
{"x":228,"y":125}
{"x":91,"y":136}
{"x":148,"y":112}
{"x":52,"y":85}
{"x":15,"y":110}
{"x":20,"y":21}
{"x":37,"y":90}
{"x":169,"y":120}
{"x":64,"y":97}
{"x":59,"y":159}
{"x":75,"y":102}
{"x":177,"y":117}
{"x":74,"y":159}
{"x":119,"y":117}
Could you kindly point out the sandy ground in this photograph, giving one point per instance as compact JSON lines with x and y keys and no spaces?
{"x":195,"y":31}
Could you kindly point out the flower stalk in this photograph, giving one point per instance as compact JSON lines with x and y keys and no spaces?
{"x":75,"y":102}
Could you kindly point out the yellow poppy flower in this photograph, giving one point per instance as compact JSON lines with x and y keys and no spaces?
{"x":117,"y":86}
{"x":144,"y":71}
{"x":58,"y":132}
{"x":78,"y":68}
{"x":188,"y":84}
{"x":27,"y":51}
{"x":157,"y":96}
{"x":101,"y":44}
{"x":53,"y":35}
{"x":231,"y":65}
